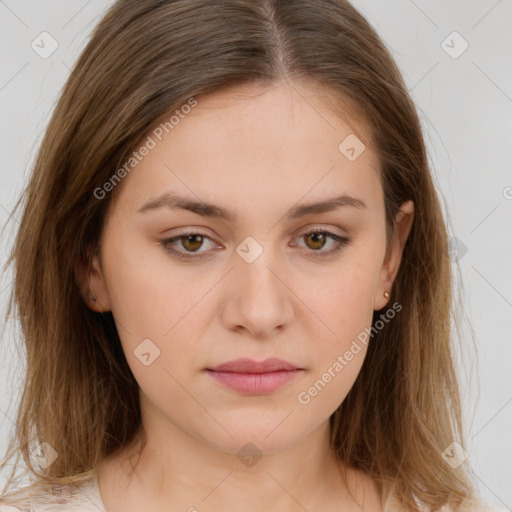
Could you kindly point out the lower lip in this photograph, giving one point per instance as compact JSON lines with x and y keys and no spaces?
{"x":254,"y":383}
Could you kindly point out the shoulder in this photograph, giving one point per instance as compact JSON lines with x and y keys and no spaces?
{"x":478,"y":505}
{"x":470,"y":504}
{"x":82,"y":498}
{"x":474,"y":504}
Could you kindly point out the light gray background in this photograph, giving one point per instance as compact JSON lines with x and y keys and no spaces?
{"x":466,"y":108}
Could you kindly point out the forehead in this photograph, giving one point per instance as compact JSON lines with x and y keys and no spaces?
{"x":261,"y":144}
{"x":258,"y":115}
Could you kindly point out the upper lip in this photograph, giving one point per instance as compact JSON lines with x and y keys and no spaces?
{"x":249,"y":366}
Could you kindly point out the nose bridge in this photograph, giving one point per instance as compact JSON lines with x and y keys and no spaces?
{"x":260,"y":300}
{"x":258,"y":283}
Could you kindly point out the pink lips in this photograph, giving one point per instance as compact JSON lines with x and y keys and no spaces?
{"x":251,"y":377}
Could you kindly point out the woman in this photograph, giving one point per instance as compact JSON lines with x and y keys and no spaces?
{"x":232,"y":273}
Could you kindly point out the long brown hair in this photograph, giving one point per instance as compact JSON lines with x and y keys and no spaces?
{"x":145,"y":59}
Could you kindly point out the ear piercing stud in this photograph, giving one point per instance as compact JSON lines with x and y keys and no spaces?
{"x":386,"y":294}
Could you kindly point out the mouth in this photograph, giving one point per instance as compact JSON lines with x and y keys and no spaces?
{"x":250,"y":377}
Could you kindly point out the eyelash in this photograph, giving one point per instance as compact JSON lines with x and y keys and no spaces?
{"x":340,"y":243}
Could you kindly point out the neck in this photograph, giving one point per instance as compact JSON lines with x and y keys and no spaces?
{"x":193,"y":476}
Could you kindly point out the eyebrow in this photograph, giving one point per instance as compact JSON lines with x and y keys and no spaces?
{"x":175,"y":202}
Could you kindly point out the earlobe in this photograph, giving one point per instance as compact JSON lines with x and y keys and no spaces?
{"x":392,"y":261}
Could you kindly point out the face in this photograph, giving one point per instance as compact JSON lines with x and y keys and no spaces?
{"x":191,"y":289}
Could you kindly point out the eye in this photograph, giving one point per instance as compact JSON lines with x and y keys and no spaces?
{"x":191,"y":242}
{"x":317,"y":240}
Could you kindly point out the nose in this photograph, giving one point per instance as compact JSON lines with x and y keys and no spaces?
{"x":258,"y":299}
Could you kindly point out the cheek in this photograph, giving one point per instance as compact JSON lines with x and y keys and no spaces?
{"x":155,"y":307}
{"x":344,"y":299}
{"x":145,"y":295}
{"x":338,"y":356}
{"x":344,"y":304}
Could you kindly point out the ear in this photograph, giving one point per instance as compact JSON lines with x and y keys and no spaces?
{"x":393,"y":258}
{"x":91,"y":282}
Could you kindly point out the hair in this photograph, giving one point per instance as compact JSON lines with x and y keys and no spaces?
{"x":144,"y":60}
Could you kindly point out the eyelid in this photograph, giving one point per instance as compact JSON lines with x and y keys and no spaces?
{"x":206,"y":233}
{"x":339,"y":240}
{"x":317,"y":228}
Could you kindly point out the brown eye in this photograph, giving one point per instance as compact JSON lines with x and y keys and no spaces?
{"x":318,"y":240}
{"x":191,"y":242}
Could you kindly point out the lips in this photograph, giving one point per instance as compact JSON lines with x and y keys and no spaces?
{"x":250,"y":377}
{"x":250,"y":366}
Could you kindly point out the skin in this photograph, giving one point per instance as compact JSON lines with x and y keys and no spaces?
{"x":257,"y":153}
